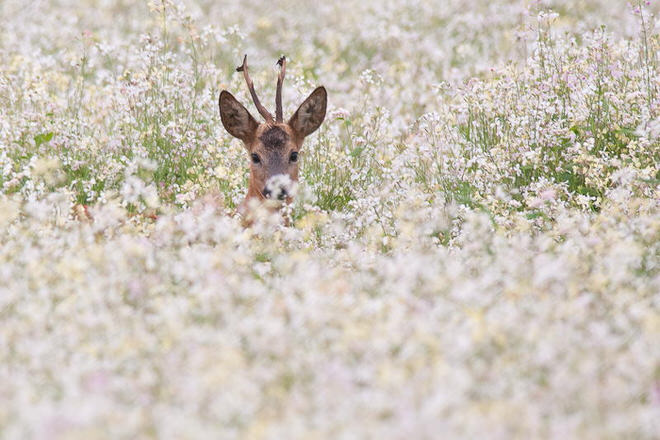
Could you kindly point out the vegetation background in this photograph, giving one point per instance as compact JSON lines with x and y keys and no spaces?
{"x":475,"y":241}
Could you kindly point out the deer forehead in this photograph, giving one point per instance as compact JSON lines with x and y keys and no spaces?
{"x":274,"y":137}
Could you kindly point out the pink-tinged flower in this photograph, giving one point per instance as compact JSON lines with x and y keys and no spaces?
{"x":655,"y":393}
{"x":96,"y":382}
{"x":536,"y":202}
{"x":548,"y":194}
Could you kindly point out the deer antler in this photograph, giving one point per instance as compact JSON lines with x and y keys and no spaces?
{"x":278,"y":94}
{"x":262,"y":110}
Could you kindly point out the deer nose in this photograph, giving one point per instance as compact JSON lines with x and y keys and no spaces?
{"x":280,"y":193}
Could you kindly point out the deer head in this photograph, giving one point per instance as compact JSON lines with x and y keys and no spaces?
{"x":273,"y":145}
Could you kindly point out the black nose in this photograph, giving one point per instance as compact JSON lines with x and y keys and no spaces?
{"x":281,"y":193}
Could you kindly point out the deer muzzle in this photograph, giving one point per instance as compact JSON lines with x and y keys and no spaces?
{"x":279,"y":187}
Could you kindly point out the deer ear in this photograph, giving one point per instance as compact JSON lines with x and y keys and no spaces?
{"x":310,"y":114}
{"x":236,"y":119}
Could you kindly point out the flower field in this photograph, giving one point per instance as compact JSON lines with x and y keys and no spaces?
{"x":473,"y":251}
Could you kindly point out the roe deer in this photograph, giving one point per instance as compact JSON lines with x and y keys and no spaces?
{"x":273,"y":145}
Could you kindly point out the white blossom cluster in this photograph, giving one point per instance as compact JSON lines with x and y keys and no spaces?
{"x":472,"y":251}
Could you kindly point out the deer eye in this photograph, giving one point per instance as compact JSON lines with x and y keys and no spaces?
{"x":294,"y":157}
{"x":255,"y":158}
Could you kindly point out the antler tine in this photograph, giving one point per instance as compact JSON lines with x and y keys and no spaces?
{"x":278,"y":95}
{"x":262,"y":110}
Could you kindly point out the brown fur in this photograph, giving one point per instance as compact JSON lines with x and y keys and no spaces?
{"x":274,"y":138}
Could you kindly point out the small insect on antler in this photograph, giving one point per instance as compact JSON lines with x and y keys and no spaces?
{"x":278,"y":95}
{"x":262,"y":110}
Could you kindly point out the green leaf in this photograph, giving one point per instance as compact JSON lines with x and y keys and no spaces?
{"x":43,"y":138}
{"x":536,"y":214}
{"x":356,"y":152}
